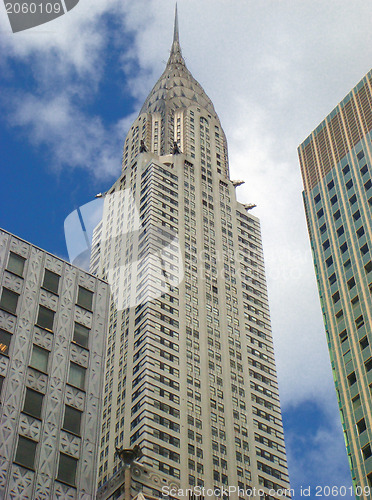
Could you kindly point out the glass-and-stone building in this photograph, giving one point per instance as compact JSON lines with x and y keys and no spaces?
{"x":336,"y":164}
{"x":53,"y":321}
{"x":190,"y":373}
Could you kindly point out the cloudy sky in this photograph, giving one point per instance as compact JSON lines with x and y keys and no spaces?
{"x":273,"y":69}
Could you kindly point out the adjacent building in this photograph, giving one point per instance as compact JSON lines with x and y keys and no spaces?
{"x":190,"y":372}
{"x":53,"y":320}
{"x":336,"y":164}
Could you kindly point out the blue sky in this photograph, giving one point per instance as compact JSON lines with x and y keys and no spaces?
{"x":71,"y":88}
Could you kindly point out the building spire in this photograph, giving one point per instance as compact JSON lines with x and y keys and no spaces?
{"x":176,"y":37}
{"x":176,"y":54}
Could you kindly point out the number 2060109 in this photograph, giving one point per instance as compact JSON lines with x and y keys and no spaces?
{"x":33,"y":8}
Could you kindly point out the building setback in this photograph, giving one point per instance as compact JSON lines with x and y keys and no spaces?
{"x":336,"y":165}
{"x":53,"y":320}
{"x":190,"y":374}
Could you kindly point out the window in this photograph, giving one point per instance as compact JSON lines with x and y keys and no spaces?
{"x":368,"y":365}
{"x":1,"y":383}
{"x":361,"y":426}
{"x":39,"y":359}
{"x":343,"y":336}
{"x":360,"y":232}
{"x":51,"y":281}
{"x":351,"y":283}
{"x":9,"y":301}
{"x":343,"y":247}
{"x":85,"y":298}
{"x":76,"y":376}
{"x":340,"y":230}
{"x":33,"y":403}
{"x":351,"y":379}
{"x":334,"y":199}
{"x":337,"y":215}
{"x":45,"y":318}
{"x":67,"y":469}
{"x":72,"y":420}
{"x":330,"y":185}
{"x":364,"y":250}
{"x":346,"y":169}
{"x":317,"y":198}
{"x":368,"y":184}
{"x":81,"y":335}
{"x":349,"y":184}
{"x":16,"y":264}
{"x":329,"y":261}
{"x":356,"y":402}
{"x":364,"y":343}
{"x":364,"y":169}
{"x":320,"y":213}
{"x":5,"y":339}
{"x":353,"y":199}
{"x":366,"y":452}
{"x":360,"y":155}
{"x":25,"y":454}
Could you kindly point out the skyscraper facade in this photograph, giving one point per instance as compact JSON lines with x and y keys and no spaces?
{"x":190,"y":374}
{"x":53,"y":319}
{"x":336,"y":165}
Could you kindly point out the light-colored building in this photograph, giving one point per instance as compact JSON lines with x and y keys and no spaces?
{"x":53,"y":321}
{"x":190,"y":373}
{"x":336,"y":164}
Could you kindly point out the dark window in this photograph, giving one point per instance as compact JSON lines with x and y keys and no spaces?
{"x":360,"y":232}
{"x":353,"y":199}
{"x":76,"y":376}
{"x":16,"y":264}
{"x":317,"y":198}
{"x":320,"y":213}
{"x":1,"y":383}
{"x":364,"y":169}
{"x":367,"y":185}
{"x":364,"y":249}
{"x":326,"y":244}
{"x":330,"y":185}
{"x":346,"y":169}
{"x":334,"y":199}
{"x":359,"y":321}
{"x":351,"y":283}
{"x":343,"y":247}
{"x":343,"y":336}
{"x":367,"y":452}
{"x":45,"y":318}
{"x":347,"y":264}
{"x":72,"y":420}
{"x":9,"y":301}
{"x":360,"y":155}
{"x":349,"y":184}
{"x":340,"y":231}
{"x":351,"y":379}
{"x":81,"y":335}
{"x":5,"y":338}
{"x":368,"y":267}
{"x":361,"y":425}
{"x":368,"y":365}
{"x":332,"y":279}
{"x":329,"y":261}
{"x":337,"y":215}
{"x":323,"y":229}
{"x":85,"y":298}
{"x":51,"y":281}
{"x":356,"y":215}
{"x":39,"y":359}
{"x":67,"y":469}
{"x":25,"y":454}
{"x":356,"y":402}
{"x":33,"y":403}
{"x":364,"y":343}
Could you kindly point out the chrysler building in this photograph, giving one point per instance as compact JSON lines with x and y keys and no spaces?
{"x":190,"y":379}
